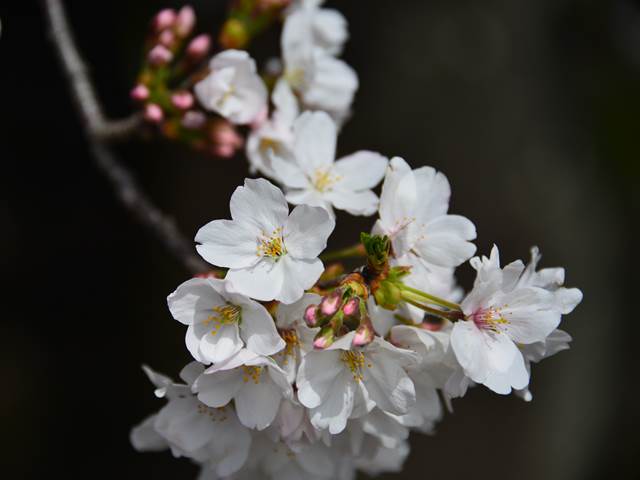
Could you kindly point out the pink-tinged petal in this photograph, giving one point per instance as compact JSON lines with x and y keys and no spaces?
{"x":362,"y":170}
{"x":226,"y":243}
{"x":307,"y":231}
{"x":260,"y":205}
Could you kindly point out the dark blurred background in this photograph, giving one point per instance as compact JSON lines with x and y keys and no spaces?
{"x":531,"y":108}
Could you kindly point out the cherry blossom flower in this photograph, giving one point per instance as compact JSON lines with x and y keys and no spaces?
{"x":191,"y":429}
{"x":413,"y":214}
{"x":220,"y":323}
{"x":322,"y":81}
{"x":339,"y":382}
{"x":274,"y":136}
{"x":295,"y":332}
{"x":322,"y":28}
{"x":315,"y":178}
{"x":270,"y":254}
{"x":255,"y":383}
{"x":233,"y":88}
{"x":502,"y":312}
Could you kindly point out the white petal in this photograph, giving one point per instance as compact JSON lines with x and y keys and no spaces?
{"x":362,"y":170}
{"x":263,"y":281}
{"x":315,"y":144}
{"x":310,"y":197}
{"x":389,"y":385}
{"x":192,"y":301}
{"x":226,"y":243}
{"x":307,"y":231}
{"x":316,"y":374}
{"x":364,"y":202}
{"x":336,"y":407}
{"x":217,"y":389}
{"x":259,"y":204}
{"x":446,"y":241}
{"x":332,"y":85}
{"x":257,"y":403}
{"x":530,"y":314}
{"x":216,"y":347}
{"x":299,"y":276}
{"x":433,"y":193}
{"x":145,"y":438}
{"x":258,"y":330}
{"x":285,"y":102}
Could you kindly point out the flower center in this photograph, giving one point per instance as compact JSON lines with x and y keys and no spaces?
{"x":323,"y":179}
{"x":267,"y":144}
{"x":215,"y":414}
{"x":223,"y":315}
{"x":356,"y":362}
{"x":226,"y":96}
{"x":251,"y":373}
{"x":291,"y":341}
{"x":271,"y":245}
{"x":295,"y":77}
{"x":490,"y":319}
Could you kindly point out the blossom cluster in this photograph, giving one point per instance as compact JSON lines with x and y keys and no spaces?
{"x":301,"y":369}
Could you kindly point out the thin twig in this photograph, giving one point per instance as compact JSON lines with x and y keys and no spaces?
{"x":99,"y":130}
{"x":145,"y":211}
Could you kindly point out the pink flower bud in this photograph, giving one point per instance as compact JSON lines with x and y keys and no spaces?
{"x":223,"y":151}
{"x":352,"y":307}
{"x":167,"y":38}
{"x":311,"y":315}
{"x":225,"y":139}
{"x":139,"y":93}
{"x":193,"y":120}
{"x":164,"y":19}
{"x":364,"y":335}
{"x":199,"y":47}
{"x":182,"y":100}
{"x":331,"y":303}
{"x":153,"y":113}
{"x":160,"y":55}
{"x":185,"y":21}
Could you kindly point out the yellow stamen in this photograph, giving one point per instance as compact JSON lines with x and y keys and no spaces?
{"x":271,"y":245}
{"x":323,"y":179}
{"x":223,"y":315}
{"x":252,"y":373}
{"x":356,"y":362}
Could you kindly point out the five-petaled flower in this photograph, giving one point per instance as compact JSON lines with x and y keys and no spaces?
{"x":270,"y":253}
{"x":313,"y":177}
{"x":220,"y":323}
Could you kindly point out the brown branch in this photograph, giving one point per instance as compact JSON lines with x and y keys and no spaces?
{"x":99,"y":130}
